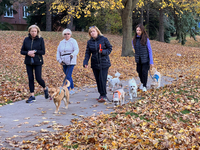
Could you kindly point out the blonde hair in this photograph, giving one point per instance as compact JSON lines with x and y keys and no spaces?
{"x":38,"y":29}
{"x":94,"y":27}
{"x":66,"y":31}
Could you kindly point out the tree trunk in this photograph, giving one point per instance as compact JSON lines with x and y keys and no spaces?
{"x":161,"y":25}
{"x":147,"y":19}
{"x":126,"y":15}
{"x":142,"y":16}
{"x":48,"y":17}
{"x":70,"y":23}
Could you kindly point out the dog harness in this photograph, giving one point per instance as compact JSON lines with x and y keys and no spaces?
{"x":156,"y":77}
{"x":117,"y":94}
{"x":61,"y":88}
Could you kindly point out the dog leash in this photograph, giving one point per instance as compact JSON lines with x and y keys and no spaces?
{"x":89,"y":77}
{"x":150,"y":75}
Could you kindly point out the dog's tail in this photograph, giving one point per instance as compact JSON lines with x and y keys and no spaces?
{"x":117,"y":74}
{"x":67,"y":83}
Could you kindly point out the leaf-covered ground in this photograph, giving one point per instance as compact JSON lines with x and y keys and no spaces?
{"x":167,"y":118}
{"x":14,"y":80}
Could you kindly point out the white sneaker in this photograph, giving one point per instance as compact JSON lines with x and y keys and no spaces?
{"x":71,"y":92}
{"x":141,"y":86}
{"x":144,"y":89}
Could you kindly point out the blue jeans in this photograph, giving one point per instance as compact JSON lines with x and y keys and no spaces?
{"x":68,"y":72}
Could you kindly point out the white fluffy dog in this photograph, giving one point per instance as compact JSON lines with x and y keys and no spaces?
{"x":113,"y":82}
{"x":132,"y":88}
{"x":156,"y":79}
{"x":119,"y":96}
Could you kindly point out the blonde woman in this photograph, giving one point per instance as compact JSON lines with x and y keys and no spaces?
{"x":100,"y":48}
{"x":33,"y":48}
{"x":67,"y":52}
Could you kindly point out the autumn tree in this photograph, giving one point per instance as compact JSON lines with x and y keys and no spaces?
{"x":125,"y":8}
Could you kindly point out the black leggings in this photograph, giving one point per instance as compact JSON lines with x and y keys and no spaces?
{"x":101,"y":79}
{"x":142,"y":70}
{"x":38,"y":74}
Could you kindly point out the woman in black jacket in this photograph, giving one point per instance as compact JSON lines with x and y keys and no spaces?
{"x":100,"y":48}
{"x":33,"y":48}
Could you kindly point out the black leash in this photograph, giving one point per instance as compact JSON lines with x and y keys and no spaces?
{"x":89,"y":77}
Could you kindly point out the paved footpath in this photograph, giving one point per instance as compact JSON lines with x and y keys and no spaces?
{"x":21,"y":121}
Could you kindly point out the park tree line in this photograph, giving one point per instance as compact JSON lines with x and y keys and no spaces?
{"x":161,"y":18}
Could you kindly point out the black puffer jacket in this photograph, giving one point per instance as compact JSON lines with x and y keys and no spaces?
{"x":98,"y":60}
{"x":33,"y":44}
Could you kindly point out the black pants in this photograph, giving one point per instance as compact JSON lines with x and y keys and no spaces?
{"x":38,"y":74}
{"x":101,"y":79}
{"x":142,"y":70}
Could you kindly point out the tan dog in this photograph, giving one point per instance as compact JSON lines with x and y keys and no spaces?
{"x":59,"y":94}
{"x":156,"y":79}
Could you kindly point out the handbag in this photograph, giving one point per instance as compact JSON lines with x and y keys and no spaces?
{"x":66,"y":59}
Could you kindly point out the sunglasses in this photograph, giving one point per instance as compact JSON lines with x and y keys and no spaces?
{"x":92,"y":27}
{"x":66,"y":33}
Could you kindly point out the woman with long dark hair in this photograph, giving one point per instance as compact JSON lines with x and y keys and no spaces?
{"x":143,"y":54}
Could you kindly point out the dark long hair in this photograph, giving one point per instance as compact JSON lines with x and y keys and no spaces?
{"x":144,"y":35}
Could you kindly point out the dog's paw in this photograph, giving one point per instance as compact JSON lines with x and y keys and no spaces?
{"x":55,"y":112}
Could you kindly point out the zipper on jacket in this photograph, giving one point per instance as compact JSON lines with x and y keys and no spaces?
{"x":31,"y":49}
{"x":97,"y":53}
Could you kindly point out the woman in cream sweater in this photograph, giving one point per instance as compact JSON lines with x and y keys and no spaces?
{"x":67,"y":52}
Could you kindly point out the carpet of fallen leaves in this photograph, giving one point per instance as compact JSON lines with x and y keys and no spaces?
{"x":166,"y":118}
{"x":14,"y":80}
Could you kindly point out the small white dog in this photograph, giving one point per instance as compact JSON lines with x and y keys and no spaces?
{"x":132,"y":88}
{"x":119,"y":96}
{"x":113,"y":82}
{"x":156,"y":79}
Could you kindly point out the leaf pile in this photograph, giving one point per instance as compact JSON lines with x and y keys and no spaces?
{"x":167,"y":118}
{"x":14,"y":80}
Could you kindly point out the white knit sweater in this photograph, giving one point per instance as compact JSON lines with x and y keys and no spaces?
{"x":68,"y":46}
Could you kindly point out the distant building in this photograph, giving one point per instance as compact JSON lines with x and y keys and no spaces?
{"x":16,"y":20}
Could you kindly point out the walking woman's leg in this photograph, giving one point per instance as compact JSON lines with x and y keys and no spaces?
{"x":103,"y":80}
{"x":139,"y":71}
{"x":68,"y":73}
{"x":29,"y":69}
{"x":96,"y":75}
{"x":145,"y":69}
{"x":38,"y":75}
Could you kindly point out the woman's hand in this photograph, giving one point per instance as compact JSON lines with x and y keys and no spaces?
{"x":31,"y":53}
{"x":151,"y":66}
{"x":62,"y":63}
{"x":86,"y":66}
